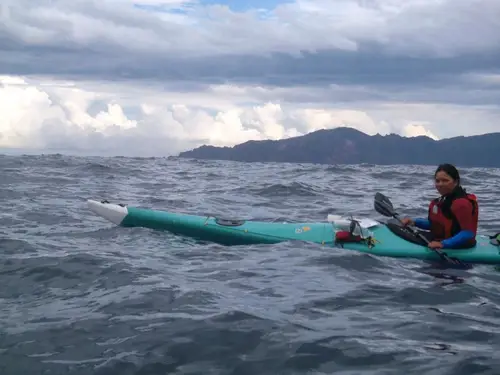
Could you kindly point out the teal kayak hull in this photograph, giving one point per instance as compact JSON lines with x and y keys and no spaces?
{"x":386,"y":239}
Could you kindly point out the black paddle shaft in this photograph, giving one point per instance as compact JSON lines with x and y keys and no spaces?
{"x":384,"y":206}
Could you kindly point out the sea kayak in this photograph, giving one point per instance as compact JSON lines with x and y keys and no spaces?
{"x":363,"y":235}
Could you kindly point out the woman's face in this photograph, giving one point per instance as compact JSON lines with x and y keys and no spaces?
{"x":444,"y":183}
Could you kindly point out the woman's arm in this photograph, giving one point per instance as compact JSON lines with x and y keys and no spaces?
{"x":462,"y":210}
{"x":422,"y":223}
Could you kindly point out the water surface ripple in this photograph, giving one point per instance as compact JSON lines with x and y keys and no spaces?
{"x":81,"y":296}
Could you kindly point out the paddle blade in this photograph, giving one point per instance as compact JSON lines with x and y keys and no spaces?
{"x":383,"y":205}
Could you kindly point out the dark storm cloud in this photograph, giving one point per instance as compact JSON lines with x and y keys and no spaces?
{"x":102,"y":41}
{"x":388,"y":74}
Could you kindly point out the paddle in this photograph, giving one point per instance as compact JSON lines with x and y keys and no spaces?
{"x":384,"y":206}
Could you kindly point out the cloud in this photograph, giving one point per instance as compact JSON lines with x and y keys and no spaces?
{"x":416,"y":130}
{"x":133,"y":120}
{"x":158,"y":77}
{"x":305,"y":40}
{"x":414,"y":26}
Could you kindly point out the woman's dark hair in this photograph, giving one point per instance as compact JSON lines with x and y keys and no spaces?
{"x":459,"y":191}
{"x":450,"y":170}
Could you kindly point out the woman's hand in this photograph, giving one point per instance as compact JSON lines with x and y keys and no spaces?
{"x":435,"y":245}
{"x":407,"y":221}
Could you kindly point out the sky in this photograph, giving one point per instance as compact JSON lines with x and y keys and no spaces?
{"x":154,"y":78}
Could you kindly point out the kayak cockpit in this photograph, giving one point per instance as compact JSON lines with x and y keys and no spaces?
{"x":399,"y":230}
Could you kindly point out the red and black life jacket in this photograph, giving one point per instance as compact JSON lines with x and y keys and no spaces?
{"x":443,"y":222}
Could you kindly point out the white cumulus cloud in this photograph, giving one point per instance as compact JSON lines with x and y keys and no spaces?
{"x":416,"y":130}
{"x":127,"y":119}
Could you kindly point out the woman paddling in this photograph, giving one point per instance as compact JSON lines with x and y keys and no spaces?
{"x":453,"y":217}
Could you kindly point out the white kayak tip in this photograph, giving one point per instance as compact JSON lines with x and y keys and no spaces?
{"x":109,"y":211}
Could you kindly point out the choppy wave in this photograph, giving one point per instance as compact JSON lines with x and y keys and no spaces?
{"x":81,"y":296}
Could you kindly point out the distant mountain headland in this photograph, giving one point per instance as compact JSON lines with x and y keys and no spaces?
{"x":350,"y":146}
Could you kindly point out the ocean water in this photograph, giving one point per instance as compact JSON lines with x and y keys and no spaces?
{"x":81,"y":296}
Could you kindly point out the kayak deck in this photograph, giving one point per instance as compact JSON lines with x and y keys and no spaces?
{"x":228,"y":231}
{"x":389,"y":239}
